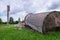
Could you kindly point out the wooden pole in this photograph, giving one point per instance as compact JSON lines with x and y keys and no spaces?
{"x":8,"y":9}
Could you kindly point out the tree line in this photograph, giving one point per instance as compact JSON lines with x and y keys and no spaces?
{"x":11,"y":21}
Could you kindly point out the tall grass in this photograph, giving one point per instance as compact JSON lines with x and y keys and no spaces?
{"x":13,"y":33}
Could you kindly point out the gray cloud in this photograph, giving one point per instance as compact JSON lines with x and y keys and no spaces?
{"x":22,"y":7}
{"x":54,"y":6}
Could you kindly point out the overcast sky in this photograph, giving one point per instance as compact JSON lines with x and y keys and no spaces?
{"x":20,"y":8}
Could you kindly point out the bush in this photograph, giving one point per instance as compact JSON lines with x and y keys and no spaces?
{"x":1,"y":21}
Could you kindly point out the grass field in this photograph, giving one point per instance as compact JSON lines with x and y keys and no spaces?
{"x":13,"y":33}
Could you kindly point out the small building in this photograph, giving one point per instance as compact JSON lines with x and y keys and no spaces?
{"x":42,"y":22}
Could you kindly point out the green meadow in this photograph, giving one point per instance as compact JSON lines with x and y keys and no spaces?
{"x":10,"y":32}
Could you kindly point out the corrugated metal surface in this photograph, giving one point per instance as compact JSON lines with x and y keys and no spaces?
{"x":36,"y":20}
{"x":50,"y":20}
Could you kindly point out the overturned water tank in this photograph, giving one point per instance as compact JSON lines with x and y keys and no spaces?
{"x":42,"y":22}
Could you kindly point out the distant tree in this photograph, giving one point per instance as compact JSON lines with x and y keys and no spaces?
{"x":16,"y":22}
{"x":18,"y":19}
{"x":1,"y":21}
{"x":11,"y":21}
{"x":4,"y":22}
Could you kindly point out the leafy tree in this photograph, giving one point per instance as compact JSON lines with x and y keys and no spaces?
{"x":1,"y":21}
{"x":11,"y":21}
{"x":19,"y":20}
